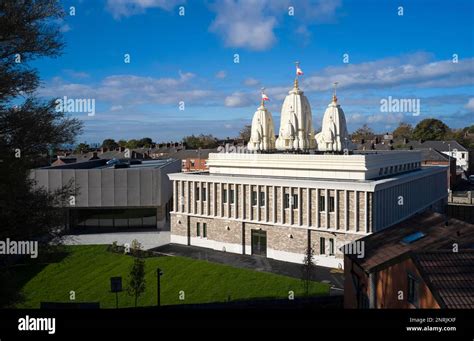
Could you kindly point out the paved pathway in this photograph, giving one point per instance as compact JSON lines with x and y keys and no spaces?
{"x":321,"y":274}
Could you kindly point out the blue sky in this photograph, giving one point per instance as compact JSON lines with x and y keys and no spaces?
{"x":190,"y":58}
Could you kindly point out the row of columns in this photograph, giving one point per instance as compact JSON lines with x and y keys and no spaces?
{"x":184,"y":202}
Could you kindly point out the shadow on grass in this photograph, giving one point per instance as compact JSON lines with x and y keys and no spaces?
{"x":14,"y":277}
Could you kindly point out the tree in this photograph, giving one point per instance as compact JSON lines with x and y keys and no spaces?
{"x":201,"y":141}
{"x":145,"y":142}
{"x":132,"y":144}
{"x":122,"y":143}
{"x":29,"y":129}
{"x":110,"y":144}
{"x":430,"y":129}
{"x":308,"y":269}
{"x":245,"y":132}
{"x":404,"y":130}
{"x":363,"y":133}
{"x":82,"y":148}
{"x":136,"y":285}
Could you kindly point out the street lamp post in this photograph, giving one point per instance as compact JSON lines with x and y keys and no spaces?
{"x":159,"y":273}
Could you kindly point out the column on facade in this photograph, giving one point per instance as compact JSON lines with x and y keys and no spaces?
{"x":300,"y":207}
{"x":366,"y":218}
{"x":308,"y":206}
{"x":282,"y":203}
{"x":274,"y":204}
{"x":336,"y":209}
{"x":265,"y":207}
{"x":292,"y":204}
{"x":356,"y":210}
{"x":258,"y":202}
{"x":236,"y":204}
{"x":326,"y":204}
{"x":175,"y":196}
{"x":346,"y":210}
{"x":250,"y":202}
{"x":228,"y":200}
{"x":317,"y":207}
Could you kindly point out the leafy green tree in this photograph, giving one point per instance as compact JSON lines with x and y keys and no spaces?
{"x":363,"y":133}
{"x":145,"y":142}
{"x":137,"y":284}
{"x":110,"y":144}
{"x":430,"y":129}
{"x":201,"y":141}
{"x":404,"y":130}
{"x":122,"y":143}
{"x":29,"y":129}
{"x":82,"y":148}
{"x":308,"y":269}
{"x":132,"y":144}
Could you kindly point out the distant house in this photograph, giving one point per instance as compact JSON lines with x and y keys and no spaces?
{"x":433,"y":157}
{"x":193,"y":159}
{"x":426,"y":261}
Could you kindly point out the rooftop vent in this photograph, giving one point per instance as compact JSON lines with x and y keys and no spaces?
{"x":412,"y":238}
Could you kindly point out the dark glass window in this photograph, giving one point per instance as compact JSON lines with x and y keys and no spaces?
{"x":254,"y":198}
{"x":413,"y":288}
{"x":331,"y":246}
{"x":295,"y":201}
{"x":322,"y":203}
{"x":204,"y":230}
{"x":331,"y":204}
{"x":204,"y":194}
{"x":322,"y":246}
{"x":224,"y":196}
{"x":198,"y":229}
{"x":196,"y":192}
{"x":232,"y":192}
{"x":262,"y":198}
{"x":286,"y":202}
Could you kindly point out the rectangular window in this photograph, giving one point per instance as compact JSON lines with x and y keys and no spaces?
{"x":331,"y":204}
{"x":204,"y":194}
{"x":224,"y":196}
{"x":322,"y":203}
{"x":254,"y":198}
{"x":295,"y":201}
{"x":198,"y":229}
{"x":196,"y":192}
{"x":286,"y":201}
{"x":232,"y":192}
{"x":413,"y":288}
{"x":322,"y":246}
{"x":331,"y":246}
{"x":262,"y":199}
{"x":204,"y":230}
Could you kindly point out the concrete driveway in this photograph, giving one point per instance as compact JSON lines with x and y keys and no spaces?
{"x":321,"y":274}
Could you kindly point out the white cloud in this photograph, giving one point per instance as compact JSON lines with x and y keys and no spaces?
{"x":132,"y":90}
{"x":251,"y":82}
{"x":251,"y":23}
{"x":411,"y":70}
{"x":126,"y":8}
{"x":238,"y":99}
{"x":470,"y":104}
{"x":116,"y":108}
{"x":76,"y":74}
{"x":221,"y":74}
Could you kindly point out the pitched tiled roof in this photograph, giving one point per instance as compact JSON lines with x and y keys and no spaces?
{"x":385,"y":247}
{"x":431,"y":154}
{"x":450,"y":276}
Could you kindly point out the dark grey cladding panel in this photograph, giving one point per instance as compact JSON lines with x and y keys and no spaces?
{"x":95,"y":192}
{"x":146,"y":177}
{"x":55,"y":180}
{"x":82,"y":187}
{"x":120,"y":182}
{"x":42,"y":178}
{"x":68,"y":176}
{"x":108,"y":187}
{"x":133,"y":187}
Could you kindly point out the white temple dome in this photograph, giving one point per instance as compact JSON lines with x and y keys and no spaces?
{"x":296,"y":124}
{"x":334,"y":136}
{"x":262,"y":136}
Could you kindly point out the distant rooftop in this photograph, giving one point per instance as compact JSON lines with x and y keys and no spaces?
{"x":102,"y":164}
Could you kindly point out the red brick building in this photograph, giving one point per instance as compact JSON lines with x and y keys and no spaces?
{"x":423,"y":262}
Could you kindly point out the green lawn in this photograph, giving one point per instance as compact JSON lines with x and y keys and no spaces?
{"x":87,"y":270}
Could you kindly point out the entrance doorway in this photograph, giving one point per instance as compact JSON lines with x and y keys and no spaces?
{"x":259,"y":243}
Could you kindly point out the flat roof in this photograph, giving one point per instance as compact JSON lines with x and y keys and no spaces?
{"x":101,"y":164}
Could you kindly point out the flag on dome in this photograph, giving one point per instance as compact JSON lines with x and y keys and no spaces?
{"x":265,"y":97}
{"x":299,"y":72}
